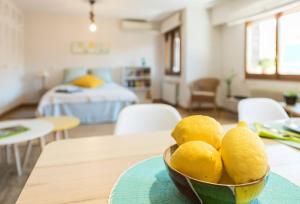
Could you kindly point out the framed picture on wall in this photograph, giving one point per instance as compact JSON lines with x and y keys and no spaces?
{"x":93,"y":48}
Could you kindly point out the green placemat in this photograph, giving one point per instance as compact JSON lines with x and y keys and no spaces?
{"x":148,"y":182}
{"x":280,"y":126}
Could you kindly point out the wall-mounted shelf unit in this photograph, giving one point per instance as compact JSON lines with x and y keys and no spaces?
{"x":138,"y":79}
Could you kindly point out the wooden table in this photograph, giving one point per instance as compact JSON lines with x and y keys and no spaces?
{"x":85,"y":170}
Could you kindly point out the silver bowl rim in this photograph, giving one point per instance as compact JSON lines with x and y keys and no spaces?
{"x":210,"y":183}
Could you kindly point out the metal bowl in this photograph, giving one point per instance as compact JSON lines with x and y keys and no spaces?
{"x":213,"y":193}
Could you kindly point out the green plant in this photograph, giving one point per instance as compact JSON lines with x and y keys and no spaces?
{"x":266,"y":63}
{"x":291,"y":93}
{"x":228,"y":81}
{"x":230,"y":77}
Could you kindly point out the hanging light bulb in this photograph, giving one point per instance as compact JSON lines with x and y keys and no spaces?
{"x":93,"y":26}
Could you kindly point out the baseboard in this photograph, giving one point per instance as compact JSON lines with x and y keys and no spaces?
{"x":14,"y":106}
{"x":33,"y":104}
{"x":11,"y":107}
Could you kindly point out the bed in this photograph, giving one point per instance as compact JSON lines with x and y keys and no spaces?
{"x":99,"y":105}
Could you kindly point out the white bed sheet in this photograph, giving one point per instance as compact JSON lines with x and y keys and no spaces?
{"x":110,"y":92}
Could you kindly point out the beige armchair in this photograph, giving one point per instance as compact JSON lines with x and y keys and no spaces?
{"x":204,"y":91}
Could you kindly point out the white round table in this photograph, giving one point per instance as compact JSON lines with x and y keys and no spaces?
{"x":37,"y":129}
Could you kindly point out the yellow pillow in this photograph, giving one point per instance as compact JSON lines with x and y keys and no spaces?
{"x":87,"y":81}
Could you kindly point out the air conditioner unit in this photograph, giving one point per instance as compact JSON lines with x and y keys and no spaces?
{"x":137,"y":25}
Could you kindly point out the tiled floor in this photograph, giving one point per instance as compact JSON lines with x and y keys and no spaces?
{"x":11,"y":185}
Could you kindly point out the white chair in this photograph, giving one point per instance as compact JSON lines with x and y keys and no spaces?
{"x":146,"y":118}
{"x":260,"y":110}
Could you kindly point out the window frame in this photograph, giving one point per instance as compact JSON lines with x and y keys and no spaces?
{"x":276,"y":75}
{"x":172,"y":33}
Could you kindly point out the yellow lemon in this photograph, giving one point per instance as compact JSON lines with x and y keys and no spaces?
{"x":243,"y":154}
{"x":198,"y":127}
{"x":198,"y":160}
{"x":225,"y":178}
{"x":244,"y":194}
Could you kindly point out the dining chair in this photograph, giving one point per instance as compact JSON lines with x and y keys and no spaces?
{"x":204,"y":91}
{"x":146,"y":118}
{"x":260,"y":110}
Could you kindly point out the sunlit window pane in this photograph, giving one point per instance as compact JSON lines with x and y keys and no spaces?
{"x":176,"y":57}
{"x":167,"y":53}
{"x":261,"y":47}
{"x":289,"y":44}
{"x":173,"y":52}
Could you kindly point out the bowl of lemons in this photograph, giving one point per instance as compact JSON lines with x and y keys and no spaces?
{"x":210,"y":167}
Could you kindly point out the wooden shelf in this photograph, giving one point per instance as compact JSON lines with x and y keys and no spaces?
{"x":139,"y":88}
{"x":138,"y":79}
{"x":140,"y":68}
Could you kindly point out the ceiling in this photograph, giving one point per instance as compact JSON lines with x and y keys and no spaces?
{"x":150,"y":10}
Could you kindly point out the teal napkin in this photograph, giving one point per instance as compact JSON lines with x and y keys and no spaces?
{"x":148,"y":182}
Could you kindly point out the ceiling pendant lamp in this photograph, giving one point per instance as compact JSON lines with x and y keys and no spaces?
{"x":93,"y":26}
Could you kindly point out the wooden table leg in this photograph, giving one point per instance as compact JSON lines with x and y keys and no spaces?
{"x":53,"y":136}
{"x":8,"y":154}
{"x":57,"y":135}
{"x":42,"y":143}
{"x":18,"y":159}
{"x":66,"y":134}
{"x":1,"y":157}
{"x":27,"y":153}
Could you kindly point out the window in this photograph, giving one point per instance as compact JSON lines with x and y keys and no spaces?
{"x":261,"y":47}
{"x":273,"y":47}
{"x":289,"y":44}
{"x":173,"y":52}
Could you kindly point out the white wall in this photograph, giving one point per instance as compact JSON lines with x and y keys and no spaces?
{"x":11,"y":88}
{"x":232,"y":58}
{"x":11,"y":56}
{"x":200,"y":50}
{"x":239,"y":10}
{"x":48,"y":39}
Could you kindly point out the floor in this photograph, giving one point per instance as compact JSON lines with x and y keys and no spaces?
{"x":11,"y":185}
